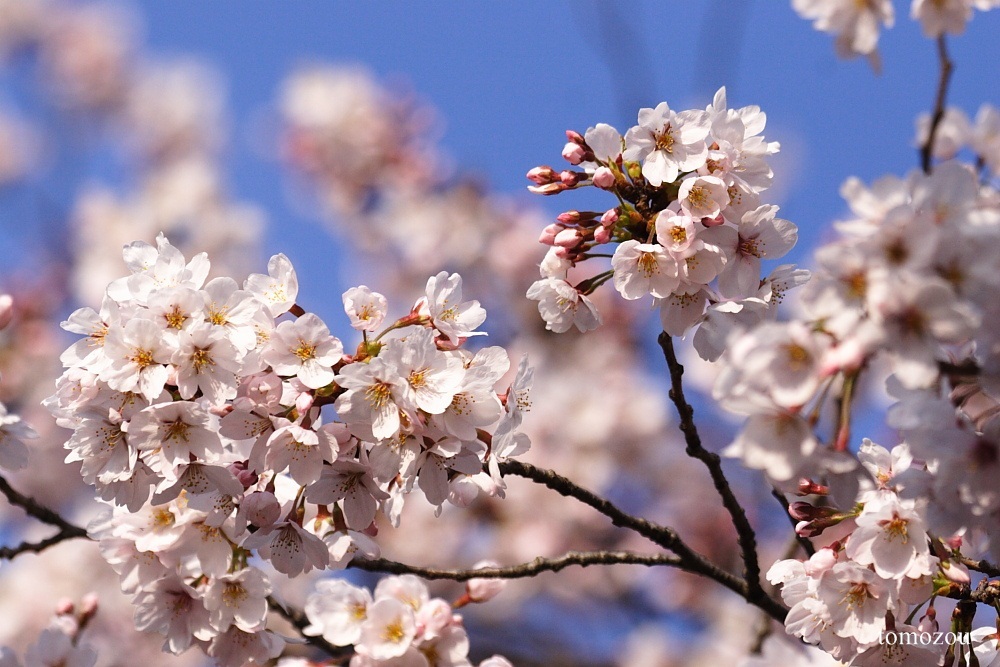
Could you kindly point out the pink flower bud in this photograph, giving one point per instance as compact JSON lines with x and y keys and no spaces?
{"x":89,"y":604}
{"x":6,"y":310}
{"x":541,"y":175}
{"x":65,"y":606}
{"x":610,"y":217}
{"x":604,"y":178}
{"x":246,"y":477}
{"x":575,"y":137}
{"x":567,"y":238}
{"x":602,"y":235}
{"x":304,"y":401}
{"x":262,"y":508}
{"x":713,"y":222}
{"x":564,"y":253}
{"x":955,"y":572}
{"x":548,"y":235}
{"x":420,"y":308}
{"x":547,"y":189}
{"x":820,"y":562}
{"x":803,"y":511}
{"x":569,"y":217}
{"x":573,"y":153}
{"x":481,"y":590}
{"x":570,"y":178}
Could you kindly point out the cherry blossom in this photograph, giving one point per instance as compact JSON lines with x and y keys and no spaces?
{"x":667,"y":142}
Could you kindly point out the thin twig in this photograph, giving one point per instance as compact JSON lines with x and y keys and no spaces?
{"x":764,"y":629}
{"x":298,"y":619}
{"x":947,"y":67}
{"x":530,"y":569}
{"x":9,"y":553}
{"x":67,"y":531}
{"x":744,"y":531}
{"x":659,"y":535}
{"x":690,"y":560}
{"x":43,"y":514}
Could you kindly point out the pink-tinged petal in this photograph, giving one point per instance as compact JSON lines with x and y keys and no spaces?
{"x":359,"y":507}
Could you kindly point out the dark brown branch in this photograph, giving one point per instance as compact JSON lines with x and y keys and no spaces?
{"x":659,"y":535}
{"x":300,"y":622}
{"x":986,"y":592}
{"x":690,"y":560}
{"x":537,"y":566}
{"x":947,"y":67}
{"x":43,"y":514}
{"x":983,"y":566}
{"x":67,"y":531}
{"x":7,"y":553}
{"x":744,"y":531}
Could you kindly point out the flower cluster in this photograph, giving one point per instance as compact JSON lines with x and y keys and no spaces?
{"x":400,"y":624}
{"x":909,"y":283}
{"x":877,"y":572}
{"x":689,"y":215}
{"x":197,"y":409}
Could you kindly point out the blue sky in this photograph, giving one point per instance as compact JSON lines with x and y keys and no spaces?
{"x":508,"y":78}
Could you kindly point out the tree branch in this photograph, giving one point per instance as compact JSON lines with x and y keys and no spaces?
{"x":744,"y":531}
{"x":983,"y":566}
{"x":67,"y":531}
{"x":43,"y":514}
{"x":947,"y":67}
{"x":524,"y":570}
{"x":690,"y":560}
{"x":9,"y":553}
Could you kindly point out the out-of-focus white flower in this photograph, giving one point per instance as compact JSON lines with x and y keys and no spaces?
{"x":13,"y":432}
{"x":854,"y":24}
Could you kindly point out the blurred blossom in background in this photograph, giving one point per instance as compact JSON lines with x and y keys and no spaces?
{"x":379,"y":147}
